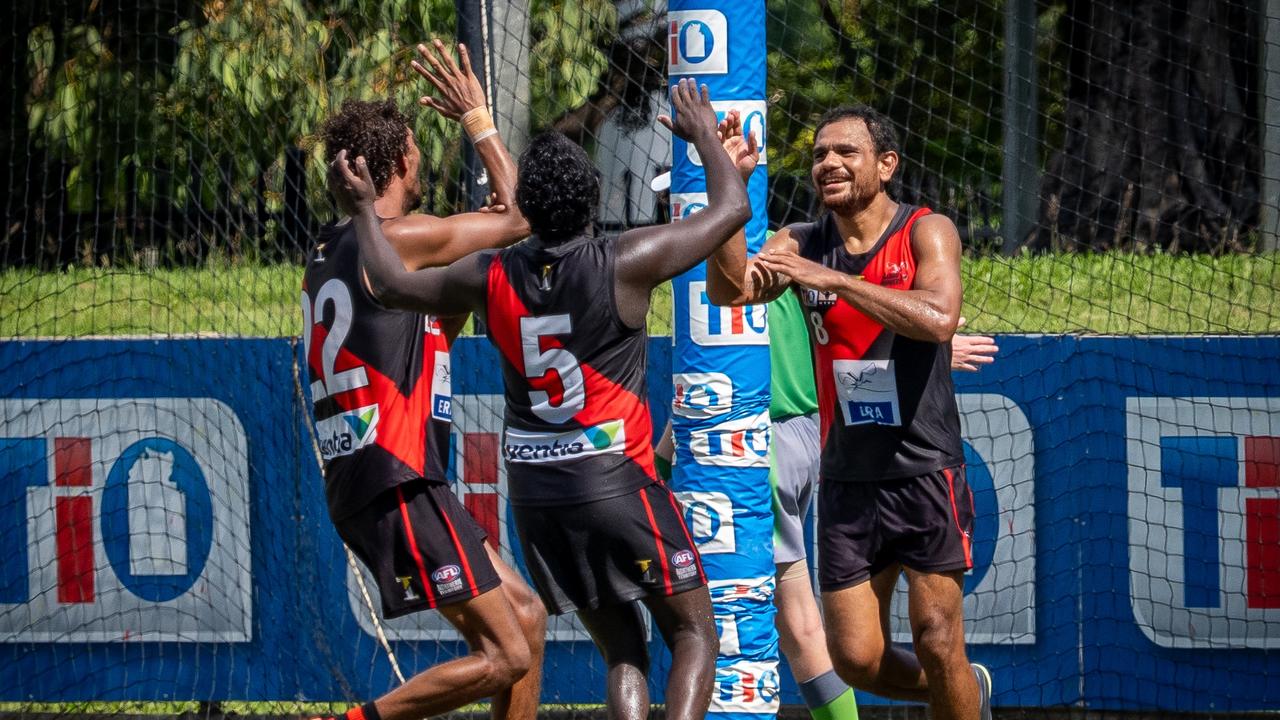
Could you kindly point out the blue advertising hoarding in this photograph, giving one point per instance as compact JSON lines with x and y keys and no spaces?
{"x":1128,"y":493}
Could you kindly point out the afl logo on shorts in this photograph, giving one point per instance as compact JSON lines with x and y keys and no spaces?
{"x":684,"y":563}
{"x":683,"y":558}
{"x":446,"y":573}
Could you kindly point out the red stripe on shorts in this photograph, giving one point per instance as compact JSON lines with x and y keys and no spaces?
{"x":462,"y":554}
{"x":955,"y":513}
{"x":697,"y":556}
{"x":657,"y":539}
{"x":413,"y":548}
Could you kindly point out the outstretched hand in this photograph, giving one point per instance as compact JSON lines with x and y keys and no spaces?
{"x":741,"y":150}
{"x":459,"y":88}
{"x":970,"y":352}
{"x":353,"y":191}
{"x":692,"y":111}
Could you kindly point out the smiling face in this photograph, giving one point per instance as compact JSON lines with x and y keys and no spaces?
{"x":847,"y":171}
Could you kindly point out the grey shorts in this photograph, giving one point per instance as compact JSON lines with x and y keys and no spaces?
{"x":793,"y":476}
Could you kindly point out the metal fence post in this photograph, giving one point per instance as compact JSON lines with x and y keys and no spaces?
{"x":1020,"y":179}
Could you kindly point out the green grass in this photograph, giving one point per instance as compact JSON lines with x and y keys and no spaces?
{"x":1112,"y":294}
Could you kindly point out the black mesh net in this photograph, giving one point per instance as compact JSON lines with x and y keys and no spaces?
{"x":1113,"y":170}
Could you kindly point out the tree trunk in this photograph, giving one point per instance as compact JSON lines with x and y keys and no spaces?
{"x":1161,"y":141}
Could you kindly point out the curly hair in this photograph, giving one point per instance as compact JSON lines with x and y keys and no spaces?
{"x":558,"y":187}
{"x":376,"y":130}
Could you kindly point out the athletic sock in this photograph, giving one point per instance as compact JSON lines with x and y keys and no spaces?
{"x":828,"y":698}
{"x":366,"y":711}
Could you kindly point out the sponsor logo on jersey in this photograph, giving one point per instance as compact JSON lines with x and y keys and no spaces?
{"x":446,"y":573}
{"x":698,"y":42}
{"x":442,"y":388}
{"x":347,"y":432}
{"x":894,"y":275}
{"x":701,"y":395}
{"x":448,"y":579}
{"x":1204,"y":515}
{"x":409,"y":594}
{"x":868,"y":391}
{"x":683,"y":562}
{"x":818,"y":298}
{"x":741,"y":442}
{"x":527,"y":446}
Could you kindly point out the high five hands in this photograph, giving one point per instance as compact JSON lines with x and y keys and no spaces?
{"x":459,"y":88}
{"x":743,"y":151}
{"x":693,"y":114}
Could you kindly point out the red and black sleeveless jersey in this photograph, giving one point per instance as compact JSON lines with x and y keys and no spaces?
{"x":577,"y":419}
{"x":886,"y":402}
{"x":380,"y":380}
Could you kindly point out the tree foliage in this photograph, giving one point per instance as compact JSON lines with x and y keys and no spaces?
{"x":184,"y":112}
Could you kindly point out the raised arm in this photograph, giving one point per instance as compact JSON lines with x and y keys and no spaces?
{"x":427,"y":240}
{"x":451,"y":290}
{"x":735,"y":279}
{"x":930,"y":310}
{"x":649,"y":256}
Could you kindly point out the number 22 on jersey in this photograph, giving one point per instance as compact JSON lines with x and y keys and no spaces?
{"x":335,"y":294}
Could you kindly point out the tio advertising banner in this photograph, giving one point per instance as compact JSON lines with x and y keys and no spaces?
{"x":166,"y":537}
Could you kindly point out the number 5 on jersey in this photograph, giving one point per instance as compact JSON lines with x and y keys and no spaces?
{"x":560,"y":407}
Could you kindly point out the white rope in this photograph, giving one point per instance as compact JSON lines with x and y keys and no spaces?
{"x":351,"y":557}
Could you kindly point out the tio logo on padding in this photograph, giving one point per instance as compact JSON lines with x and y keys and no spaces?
{"x":1000,"y":590}
{"x":754,"y":115}
{"x":712,"y":325}
{"x":685,"y":204}
{"x":698,"y":42}
{"x":1204,"y":519}
{"x":118,"y":515}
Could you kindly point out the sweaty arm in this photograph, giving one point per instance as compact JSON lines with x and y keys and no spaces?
{"x":455,"y":289}
{"x":426,"y":240}
{"x":735,"y":279}
{"x":648,"y":257}
{"x":929,"y":311}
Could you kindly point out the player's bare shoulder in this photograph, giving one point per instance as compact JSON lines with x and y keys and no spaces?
{"x":935,"y":232}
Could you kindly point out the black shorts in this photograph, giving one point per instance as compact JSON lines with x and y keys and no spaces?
{"x":611,"y":551}
{"x":422,"y":546}
{"x":924,"y":523}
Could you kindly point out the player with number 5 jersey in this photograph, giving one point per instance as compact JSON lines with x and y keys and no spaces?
{"x":380,"y":386}
{"x":566,"y":310}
